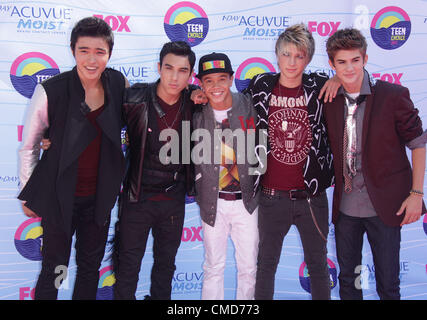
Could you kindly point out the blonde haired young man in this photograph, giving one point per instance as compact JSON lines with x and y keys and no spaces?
{"x":299,"y":162}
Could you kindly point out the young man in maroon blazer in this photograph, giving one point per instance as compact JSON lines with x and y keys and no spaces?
{"x":376,"y":191}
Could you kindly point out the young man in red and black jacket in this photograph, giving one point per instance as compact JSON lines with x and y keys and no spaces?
{"x":299,"y":162}
{"x":154,"y":189}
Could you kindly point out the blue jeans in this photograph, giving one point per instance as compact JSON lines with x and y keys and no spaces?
{"x":385,"y":246}
{"x":276,"y":214}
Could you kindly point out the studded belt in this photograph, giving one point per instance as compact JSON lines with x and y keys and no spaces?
{"x":291,"y":194}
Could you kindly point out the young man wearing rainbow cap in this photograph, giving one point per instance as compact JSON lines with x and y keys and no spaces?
{"x":224,"y":185}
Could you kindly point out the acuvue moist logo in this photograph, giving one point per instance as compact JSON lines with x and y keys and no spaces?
{"x":35,"y":19}
{"x":28,"y":239}
{"x":390,"y":28}
{"x":187,"y":282}
{"x":186,"y":21}
{"x":29,"y":69}
{"x":250,"y":68}
{"x":258,"y":27}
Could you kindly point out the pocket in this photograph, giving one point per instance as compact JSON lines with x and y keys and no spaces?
{"x":267,"y":201}
{"x":321,"y":201}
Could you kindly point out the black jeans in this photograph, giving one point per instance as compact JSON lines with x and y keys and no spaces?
{"x":276,"y":214}
{"x":385,"y":246}
{"x":166,"y":219}
{"x":90,"y":249}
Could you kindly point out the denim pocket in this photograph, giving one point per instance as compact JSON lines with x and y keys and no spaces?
{"x":267,"y":200}
{"x":321,"y":201}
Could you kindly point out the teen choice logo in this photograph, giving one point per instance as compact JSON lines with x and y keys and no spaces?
{"x":425,"y":224}
{"x":105,"y":284}
{"x":28,"y":239}
{"x":29,"y":69}
{"x":194,"y":80}
{"x":189,"y":199}
{"x":304,"y":277}
{"x":250,"y":68}
{"x":186,"y":21}
{"x":390,"y":28}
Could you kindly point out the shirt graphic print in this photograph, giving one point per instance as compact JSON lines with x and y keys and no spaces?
{"x":289,"y":128}
{"x":290,"y":139}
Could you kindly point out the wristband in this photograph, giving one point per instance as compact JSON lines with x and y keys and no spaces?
{"x":416,"y":192}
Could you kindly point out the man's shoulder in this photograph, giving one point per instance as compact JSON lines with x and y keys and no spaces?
{"x":387,"y":88}
{"x":57,"y":79}
{"x":198,"y":109}
{"x":265,"y":78}
{"x":241,"y":100}
{"x":198,"y":115}
{"x":137,"y":93}
{"x":316,"y":74}
{"x":139,"y":86}
{"x":262,"y":84}
{"x":315,"y":79}
{"x":117,"y":75}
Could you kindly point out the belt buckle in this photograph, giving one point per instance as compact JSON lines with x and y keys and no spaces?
{"x":291,"y":196}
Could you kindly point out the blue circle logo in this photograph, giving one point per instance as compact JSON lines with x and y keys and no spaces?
{"x":304,"y":277}
{"x":186,"y":21}
{"x":390,"y":28}
{"x":28,"y":239}
{"x":29,"y":69}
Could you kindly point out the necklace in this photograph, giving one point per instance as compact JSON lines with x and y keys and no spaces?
{"x":174,"y":120}
{"x":167,"y":144}
{"x":299,"y":89}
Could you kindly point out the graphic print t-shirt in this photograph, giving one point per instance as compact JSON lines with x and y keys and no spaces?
{"x":228,"y":177}
{"x":289,"y":137}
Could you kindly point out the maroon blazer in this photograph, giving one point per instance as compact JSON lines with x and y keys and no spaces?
{"x":390,"y":121}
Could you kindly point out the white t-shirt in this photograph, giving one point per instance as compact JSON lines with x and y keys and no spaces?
{"x":220,"y":115}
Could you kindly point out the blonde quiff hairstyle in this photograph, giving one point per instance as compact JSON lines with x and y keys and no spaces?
{"x":300,"y":36}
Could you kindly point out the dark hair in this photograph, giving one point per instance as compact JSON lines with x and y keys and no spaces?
{"x":92,"y":27}
{"x":346,"y":39}
{"x":179,"y":48}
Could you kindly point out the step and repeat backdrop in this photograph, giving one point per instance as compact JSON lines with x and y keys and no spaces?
{"x":34,"y":41}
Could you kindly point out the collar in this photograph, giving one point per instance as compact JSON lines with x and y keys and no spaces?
{"x":78,"y":90}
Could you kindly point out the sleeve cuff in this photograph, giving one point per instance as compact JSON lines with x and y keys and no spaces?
{"x":418,"y":142}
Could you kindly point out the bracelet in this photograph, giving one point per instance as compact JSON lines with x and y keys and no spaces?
{"x":416,"y":192}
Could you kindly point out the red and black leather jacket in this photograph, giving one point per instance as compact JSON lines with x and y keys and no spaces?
{"x":138,"y":99}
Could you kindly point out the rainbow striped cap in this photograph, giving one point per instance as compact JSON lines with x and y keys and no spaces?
{"x":214,"y":63}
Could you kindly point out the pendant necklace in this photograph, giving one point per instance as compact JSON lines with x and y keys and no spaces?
{"x":174,"y":120}
{"x":284,"y":122}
